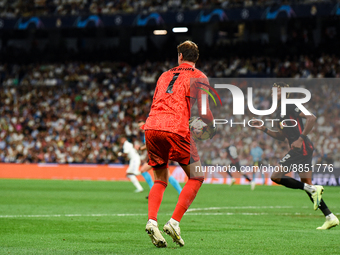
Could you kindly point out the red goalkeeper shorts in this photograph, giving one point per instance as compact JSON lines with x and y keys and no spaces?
{"x":163,"y":146}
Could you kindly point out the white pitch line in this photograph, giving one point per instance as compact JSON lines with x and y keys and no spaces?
{"x":144,"y":214}
{"x":239,"y":207}
{"x":74,"y":215}
{"x":228,"y":214}
{"x":252,"y":214}
{"x":189,"y":212}
{"x":116,"y":215}
{"x":126,"y":214}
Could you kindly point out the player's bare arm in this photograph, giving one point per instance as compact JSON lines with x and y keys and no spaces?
{"x":278,"y":135}
{"x":310,"y":122}
{"x":143,"y":148}
{"x":121,"y":154}
{"x":140,"y":125}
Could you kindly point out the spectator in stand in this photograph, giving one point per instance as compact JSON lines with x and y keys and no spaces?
{"x":75,"y":112}
{"x":14,"y":8}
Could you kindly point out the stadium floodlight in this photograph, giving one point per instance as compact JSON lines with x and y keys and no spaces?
{"x":180,"y":29}
{"x":160,"y":32}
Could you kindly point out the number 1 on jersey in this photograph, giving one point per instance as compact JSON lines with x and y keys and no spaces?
{"x":171,"y":84}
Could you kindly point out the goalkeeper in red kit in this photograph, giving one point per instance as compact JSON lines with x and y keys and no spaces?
{"x":168,"y":137}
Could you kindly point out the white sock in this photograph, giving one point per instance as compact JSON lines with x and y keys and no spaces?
{"x":309,"y":188}
{"x":330,"y":216}
{"x":135,"y":182}
{"x":175,"y":223}
{"x":153,"y":222}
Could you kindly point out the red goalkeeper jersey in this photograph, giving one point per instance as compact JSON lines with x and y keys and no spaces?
{"x":173,"y":98}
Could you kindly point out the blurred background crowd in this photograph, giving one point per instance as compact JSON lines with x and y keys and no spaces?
{"x":67,"y":94}
{"x":75,"y":112}
{"x":14,"y":8}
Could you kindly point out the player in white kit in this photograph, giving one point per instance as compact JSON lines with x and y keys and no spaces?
{"x":131,"y":153}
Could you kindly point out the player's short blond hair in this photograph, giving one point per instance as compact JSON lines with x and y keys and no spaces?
{"x":189,"y":51}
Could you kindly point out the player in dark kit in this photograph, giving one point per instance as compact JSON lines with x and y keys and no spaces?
{"x":299,"y":156}
{"x":235,"y":162}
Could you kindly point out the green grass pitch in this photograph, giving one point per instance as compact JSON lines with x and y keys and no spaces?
{"x":93,"y":217}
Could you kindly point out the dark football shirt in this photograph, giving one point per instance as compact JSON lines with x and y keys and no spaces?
{"x":293,"y":133}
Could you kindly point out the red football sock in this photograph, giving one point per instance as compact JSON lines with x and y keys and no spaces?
{"x":186,"y":197}
{"x":155,"y":198}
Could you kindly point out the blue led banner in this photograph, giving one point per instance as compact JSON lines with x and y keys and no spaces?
{"x":174,"y":18}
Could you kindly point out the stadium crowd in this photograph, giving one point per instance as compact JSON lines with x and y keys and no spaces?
{"x":75,"y":112}
{"x":14,"y":8}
